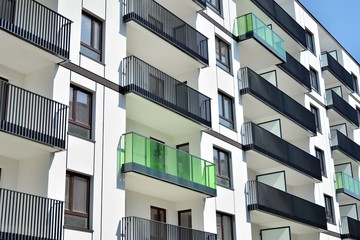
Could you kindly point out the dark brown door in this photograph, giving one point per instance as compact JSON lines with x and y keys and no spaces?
{"x":158,"y":226}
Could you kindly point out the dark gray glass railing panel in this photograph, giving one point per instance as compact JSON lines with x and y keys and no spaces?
{"x":346,"y":145}
{"x":350,"y":228}
{"x":153,"y":84}
{"x":25,"y":216}
{"x":135,"y":228}
{"x":254,"y":84}
{"x":37,"y":24}
{"x":283,"y":19}
{"x":258,"y":139}
{"x":266,"y":198}
{"x":29,"y":115}
{"x":162,"y":22}
{"x":296,"y":70}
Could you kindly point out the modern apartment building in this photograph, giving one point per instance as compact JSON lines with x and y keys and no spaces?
{"x":176,"y":120}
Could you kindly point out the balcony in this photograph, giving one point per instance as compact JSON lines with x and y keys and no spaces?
{"x":263,"y":92}
{"x":25,"y":216}
{"x":346,"y":186}
{"x":339,"y":108}
{"x":134,"y":228}
{"x":343,"y":147}
{"x":157,"y":92}
{"x":350,"y":228}
{"x":262,"y":198}
{"x":283,"y":19}
{"x":32,"y":117}
{"x":148,"y":22}
{"x":27,"y":21}
{"x":334,"y":72}
{"x":171,"y":169}
{"x":257,"y":39}
{"x":255,"y":138}
{"x":296,"y":70}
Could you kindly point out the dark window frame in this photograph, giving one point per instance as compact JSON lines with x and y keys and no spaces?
{"x":355,"y":82}
{"x":222,"y":215}
{"x":221,"y":42}
{"x":231,"y":120}
{"x":218,"y":166}
{"x":158,"y":209}
{"x":310,"y":41}
{"x":329,"y":210}
{"x":217,"y":7}
{"x":91,"y":47}
{"x":179,"y":217}
{"x":319,"y":153}
{"x":70,"y":211}
{"x":314,"y":82}
{"x":316,"y":113}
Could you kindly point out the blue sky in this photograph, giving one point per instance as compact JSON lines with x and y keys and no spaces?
{"x":341,"y":18}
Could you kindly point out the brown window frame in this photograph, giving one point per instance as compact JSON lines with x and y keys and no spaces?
{"x":316,"y":113}
{"x":92,"y":35}
{"x":218,"y":166}
{"x":217,"y":8}
{"x":221,"y":64}
{"x":158,"y":210}
{"x":222,"y":224}
{"x":231,"y":120}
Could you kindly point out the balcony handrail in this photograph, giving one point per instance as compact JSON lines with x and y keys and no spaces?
{"x":48,"y":30}
{"x":32,"y":116}
{"x":145,"y":79}
{"x":27,"y":215}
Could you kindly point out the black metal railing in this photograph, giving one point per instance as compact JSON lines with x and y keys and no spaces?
{"x":159,"y":87}
{"x":260,"y":196}
{"x":32,"y":116}
{"x":37,"y":24}
{"x":257,"y":86}
{"x":162,"y":22}
{"x":256,"y":138}
{"x":135,"y":228}
{"x":296,"y":70}
{"x":345,"y":145}
{"x":329,"y":63}
{"x":350,"y":228}
{"x":337,"y":103}
{"x":283,"y":19}
{"x":25,"y":216}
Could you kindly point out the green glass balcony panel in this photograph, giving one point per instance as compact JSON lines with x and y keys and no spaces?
{"x":347,"y":184}
{"x":173,"y":165}
{"x":249,"y":25}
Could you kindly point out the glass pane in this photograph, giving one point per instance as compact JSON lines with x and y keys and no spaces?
{"x":80,"y":197}
{"x":71,"y":97}
{"x":79,"y":131}
{"x":67,"y":189}
{"x":224,"y":54}
{"x":224,"y":165}
{"x":217,"y":49}
{"x":86,"y":30}
{"x":185,"y":219}
{"x":97,"y":36}
{"x":218,"y":227}
{"x":221,"y":111}
{"x":75,"y":221}
{"x":83,"y":108}
{"x":227,"y":228}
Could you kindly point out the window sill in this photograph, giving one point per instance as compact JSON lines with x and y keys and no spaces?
{"x":81,"y":137}
{"x":97,"y":61}
{"x":78,"y":229}
{"x":232,"y":129}
{"x":225,"y":69}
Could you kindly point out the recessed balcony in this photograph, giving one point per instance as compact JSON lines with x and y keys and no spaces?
{"x":156,"y":169}
{"x":273,"y":207}
{"x":158,"y":36}
{"x":342,"y":146}
{"x":257,"y":39}
{"x":30,"y":30}
{"x":346,"y":186}
{"x":350,"y":228}
{"x":333,"y":72}
{"x":258,"y":93}
{"x":263,"y":146}
{"x":135,"y":228}
{"x":25,"y":116}
{"x":25,"y":216}
{"x":339,"y":109}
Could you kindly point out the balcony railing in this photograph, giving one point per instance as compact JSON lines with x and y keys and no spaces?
{"x":350,"y":228}
{"x":25,"y":216}
{"x":36,"y":24}
{"x":345,"y":145}
{"x":265,"y":198}
{"x":154,"y":159}
{"x":296,"y":70}
{"x":283,"y":19}
{"x":249,"y":26}
{"x":348,"y":185}
{"x":151,"y":83}
{"x":32,"y":116}
{"x":252,"y":83}
{"x":335,"y":102}
{"x":135,"y":228}
{"x":329,"y":63}
{"x":258,"y":139}
{"x":168,"y":26}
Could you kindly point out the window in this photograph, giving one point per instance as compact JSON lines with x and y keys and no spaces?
{"x":77,"y":200}
{"x":224,"y":226}
{"x":355,"y":83}
{"x":226,"y":114}
{"x":310,"y":41}
{"x":314,"y":80}
{"x":80,"y":112}
{"x":157,"y":229}
{"x":329,"y":209}
{"x":215,"y":5}
{"x":91,"y":37}
{"x":320,"y":155}
{"x":316,"y":112}
{"x":358,"y":112}
{"x":222,"y":54}
{"x":222,"y":162}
